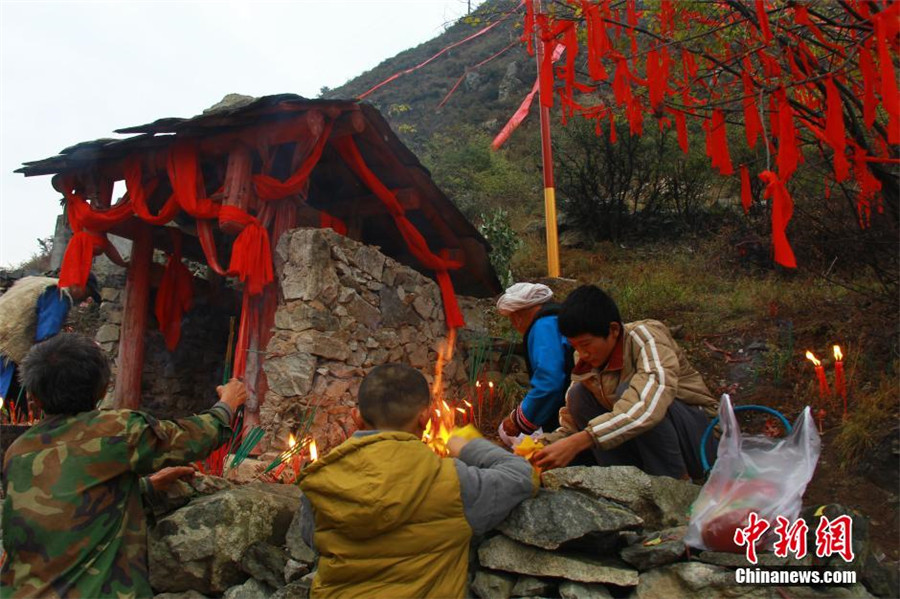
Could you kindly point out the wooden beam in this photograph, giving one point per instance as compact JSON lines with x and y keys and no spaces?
{"x":134,"y":321}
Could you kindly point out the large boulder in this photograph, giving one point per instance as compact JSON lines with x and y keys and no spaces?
{"x":660,"y":501}
{"x":502,"y":553}
{"x":553,"y":518}
{"x":200,"y":546}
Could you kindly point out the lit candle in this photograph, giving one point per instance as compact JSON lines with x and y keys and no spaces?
{"x":824,"y":390}
{"x":313,"y":451}
{"x":840,"y":386}
{"x":491,"y":390}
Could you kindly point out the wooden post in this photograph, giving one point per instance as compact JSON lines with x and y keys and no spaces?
{"x":134,"y":322}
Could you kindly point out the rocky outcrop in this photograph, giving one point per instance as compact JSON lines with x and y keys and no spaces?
{"x":202,"y":546}
{"x":572,"y":541}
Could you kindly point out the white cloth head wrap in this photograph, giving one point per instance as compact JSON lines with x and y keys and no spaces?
{"x":521,"y":296}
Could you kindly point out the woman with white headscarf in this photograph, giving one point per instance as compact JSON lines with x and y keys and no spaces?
{"x":548,"y":357}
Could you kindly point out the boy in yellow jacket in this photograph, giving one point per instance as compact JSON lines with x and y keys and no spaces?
{"x":392,"y":519}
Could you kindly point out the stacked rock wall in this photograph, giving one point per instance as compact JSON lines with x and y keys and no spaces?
{"x":173,"y":383}
{"x":345,"y":308}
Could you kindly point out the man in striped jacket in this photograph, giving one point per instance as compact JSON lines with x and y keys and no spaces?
{"x":634,"y":399}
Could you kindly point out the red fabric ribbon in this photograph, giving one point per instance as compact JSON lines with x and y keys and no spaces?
{"x":746,"y":193}
{"x":76,"y":264}
{"x":174,"y":296}
{"x":752,"y":122}
{"x":139,"y":194}
{"x":788,"y":153}
{"x":834,"y":130}
{"x":782,"y":210}
{"x":251,"y":254}
{"x":763,"y":20}
{"x":187,"y":182}
{"x":270,"y":188}
{"x":717,"y":143}
{"x":414,"y":239}
{"x":867,"y":68}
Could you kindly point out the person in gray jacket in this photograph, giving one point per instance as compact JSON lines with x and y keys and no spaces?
{"x":392,"y":518}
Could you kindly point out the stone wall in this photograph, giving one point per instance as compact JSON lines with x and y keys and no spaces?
{"x":345,"y":308}
{"x":181,"y":382}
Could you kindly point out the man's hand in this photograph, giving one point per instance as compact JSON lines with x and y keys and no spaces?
{"x":234,"y":393}
{"x":455,"y":445}
{"x":163,"y":479}
{"x":510,"y":427}
{"x":562,"y":452}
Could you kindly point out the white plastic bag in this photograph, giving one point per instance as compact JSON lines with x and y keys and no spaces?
{"x":752,"y":474}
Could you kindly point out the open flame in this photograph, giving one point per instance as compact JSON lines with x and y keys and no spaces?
{"x":313,"y":451}
{"x":838,"y":355}
{"x":812,"y":358}
{"x":437,"y":430}
{"x":291,"y":441}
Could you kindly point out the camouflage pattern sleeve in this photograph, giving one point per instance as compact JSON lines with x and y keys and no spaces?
{"x":154,"y":444}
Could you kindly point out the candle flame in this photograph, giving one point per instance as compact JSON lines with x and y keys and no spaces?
{"x":837,"y":353}
{"x":812,"y":358}
{"x":464,"y":401}
{"x":477,"y":383}
{"x":313,"y":451}
{"x":461,"y":411}
{"x":446,"y":407}
{"x":291,"y":441}
{"x":491,"y":384}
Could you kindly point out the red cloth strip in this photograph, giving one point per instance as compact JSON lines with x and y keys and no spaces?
{"x":187,"y":183}
{"x":448,"y":48}
{"x":251,"y":254}
{"x":76,"y":264}
{"x":269,"y":188}
{"x":174,"y":296}
{"x":139,"y":194}
{"x":746,"y":194}
{"x":782,"y":210}
{"x":414,"y":239}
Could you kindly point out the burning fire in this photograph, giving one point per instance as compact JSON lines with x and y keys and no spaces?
{"x":437,"y":431}
{"x":812,"y":358}
{"x":313,"y":451}
{"x":291,"y":441}
{"x":838,"y":355}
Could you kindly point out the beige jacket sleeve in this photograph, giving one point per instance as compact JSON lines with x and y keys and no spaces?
{"x":651,"y":390}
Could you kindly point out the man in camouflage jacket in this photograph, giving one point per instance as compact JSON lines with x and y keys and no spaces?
{"x":73,"y":521}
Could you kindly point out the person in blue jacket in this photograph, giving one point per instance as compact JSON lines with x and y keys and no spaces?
{"x":548,"y":357}
{"x":33,"y":310}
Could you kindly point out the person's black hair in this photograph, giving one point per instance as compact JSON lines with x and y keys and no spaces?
{"x":392,"y":395}
{"x":590,"y":310}
{"x":67,"y":373}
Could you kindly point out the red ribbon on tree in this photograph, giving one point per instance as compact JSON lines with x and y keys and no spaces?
{"x":752,"y":123}
{"x":834,"y":130}
{"x":788,"y":154}
{"x":763,"y":20}
{"x":782,"y":211}
{"x":746,"y":194}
